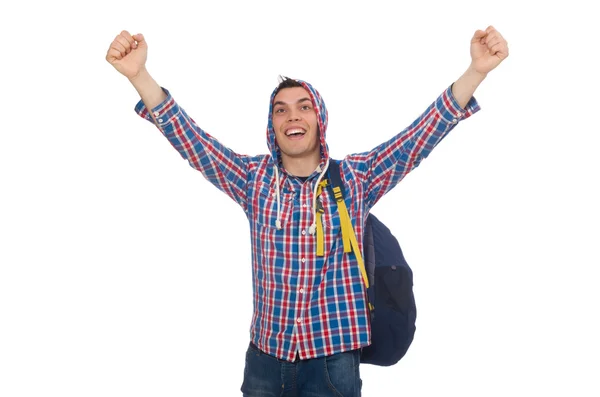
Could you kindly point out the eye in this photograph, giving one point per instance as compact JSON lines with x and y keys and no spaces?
{"x":279,"y":110}
{"x":306,"y":107}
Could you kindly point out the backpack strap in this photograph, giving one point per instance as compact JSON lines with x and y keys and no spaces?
{"x":336,"y":188}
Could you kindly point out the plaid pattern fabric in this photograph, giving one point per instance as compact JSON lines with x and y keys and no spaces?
{"x":306,"y":304}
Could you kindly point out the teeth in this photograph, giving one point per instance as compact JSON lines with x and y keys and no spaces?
{"x":294,"y":132}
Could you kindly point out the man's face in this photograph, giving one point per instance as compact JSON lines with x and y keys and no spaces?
{"x":295,"y":124}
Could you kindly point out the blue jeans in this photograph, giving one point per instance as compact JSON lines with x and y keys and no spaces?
{"x":267,"y":376}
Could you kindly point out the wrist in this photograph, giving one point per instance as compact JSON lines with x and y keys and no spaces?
{"x":151,"y":93}
{"x":141,"y":77}
{"x":464,"y":88}
{"x":474,"y":75}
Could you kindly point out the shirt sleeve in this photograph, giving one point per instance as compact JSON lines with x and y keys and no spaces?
{"x":386,"y":165}
{"x":221,"y":166}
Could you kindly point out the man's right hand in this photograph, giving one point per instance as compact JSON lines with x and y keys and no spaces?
{"x":128,"y":54}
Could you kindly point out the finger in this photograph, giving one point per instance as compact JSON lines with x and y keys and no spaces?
{"x":130,"y":40}
{"x":116,"y":44}
{"x":490,"y":36}
{"x":489,"y":32}
{"x":500,"y":50}
{"x":113,"y":55}
{"x":493,"y":41}
{"x":500,"y":38}
{"x":124,"y":43}
{"x":490,"y":41}
{"x":125,"y":33}
{"x":479,"y":34}
{"x":495,"y":38}
{"x":139,"y":39}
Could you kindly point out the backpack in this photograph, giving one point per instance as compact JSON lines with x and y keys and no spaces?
{"x":389,"y":282}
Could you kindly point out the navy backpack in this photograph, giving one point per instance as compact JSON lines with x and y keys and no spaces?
{"x":393,"y":312}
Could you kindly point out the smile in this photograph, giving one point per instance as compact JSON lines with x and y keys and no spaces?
{"x":295,"y":132}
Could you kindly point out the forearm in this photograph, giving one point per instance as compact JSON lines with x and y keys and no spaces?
{"x":386,"y":165}
{"x":464,"y":88}
{"x":150,"y":92}
{"x":220,"y":165}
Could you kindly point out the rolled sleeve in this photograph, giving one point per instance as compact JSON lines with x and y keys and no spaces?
{"x":448,"y":107}
{"x":163,"y":113}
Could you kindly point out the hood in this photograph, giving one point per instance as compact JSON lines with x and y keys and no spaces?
{"x":319,"y":106}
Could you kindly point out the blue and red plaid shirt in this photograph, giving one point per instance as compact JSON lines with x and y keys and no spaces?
{"x":304,"y":304}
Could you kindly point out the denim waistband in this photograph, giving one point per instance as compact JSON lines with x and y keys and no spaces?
{"x":253,"y":346}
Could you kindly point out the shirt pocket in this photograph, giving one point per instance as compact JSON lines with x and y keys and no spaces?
{"x":264,"y":206}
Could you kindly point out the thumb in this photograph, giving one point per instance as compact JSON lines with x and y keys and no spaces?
{"x":139,"y":40}
{"x":479,"y":34}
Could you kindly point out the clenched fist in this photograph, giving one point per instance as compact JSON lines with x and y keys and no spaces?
{"x":128,"y":53}
{"x":488,"y":49}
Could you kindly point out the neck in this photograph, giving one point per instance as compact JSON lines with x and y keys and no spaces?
{"x":301,"y":166}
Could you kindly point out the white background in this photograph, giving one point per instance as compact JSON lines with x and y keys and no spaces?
{"x":124,"y":273}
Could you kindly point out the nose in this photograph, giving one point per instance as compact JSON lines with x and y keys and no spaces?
{"x":294,"y":115}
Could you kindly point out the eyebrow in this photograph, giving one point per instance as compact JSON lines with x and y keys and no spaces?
{"x":298,"y":101}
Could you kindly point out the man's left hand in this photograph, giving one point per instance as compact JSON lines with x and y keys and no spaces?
{"x":488,"y":50}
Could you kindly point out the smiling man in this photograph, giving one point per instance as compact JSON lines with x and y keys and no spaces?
{"x":296,"y":129}
{"x":310,"y":317}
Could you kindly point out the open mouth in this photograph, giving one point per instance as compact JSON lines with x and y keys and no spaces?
{"x":295,"y":132}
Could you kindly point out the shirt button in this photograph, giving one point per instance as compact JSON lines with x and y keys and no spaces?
{"x":303,"y":260}
{"x":303,"y":205}
{"x":299,"y":320}
{"x":304,"y":232}
{"x":301,"y":290}
{"x":156,"y":114}
{"x":160,"y":120}
{"x":454,"y":121}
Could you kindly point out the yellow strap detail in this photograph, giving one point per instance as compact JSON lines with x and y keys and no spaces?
{"x":346,"y":226}
{"x":319,"y":214}
{"x":348,"y":234}
{"x":345,"y":222}
{"x":320,"y":238}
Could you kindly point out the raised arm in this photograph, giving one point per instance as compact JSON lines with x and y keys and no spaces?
{"x":383,"y":167}
{"x":132,"y":64}
{"x":488,"y":49}
{"x":224,"y":168}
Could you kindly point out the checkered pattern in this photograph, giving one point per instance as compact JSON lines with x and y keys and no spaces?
{"x":304,"y":304}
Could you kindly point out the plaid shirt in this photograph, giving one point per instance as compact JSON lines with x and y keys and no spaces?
{"x":304,"y":304}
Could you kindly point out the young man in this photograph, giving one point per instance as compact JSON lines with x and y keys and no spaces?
{"x":310,"y":317}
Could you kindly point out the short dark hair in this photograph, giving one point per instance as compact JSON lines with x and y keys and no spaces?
{"x":286,"y":82}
